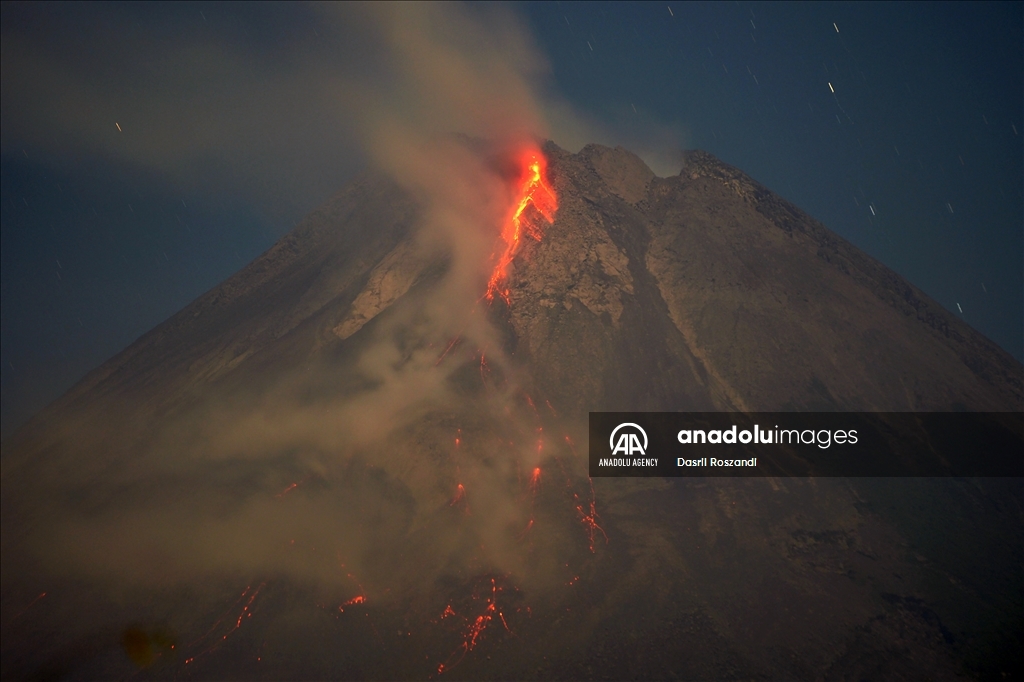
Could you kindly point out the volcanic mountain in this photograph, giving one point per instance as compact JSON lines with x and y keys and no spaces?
{"x":387,"y":464}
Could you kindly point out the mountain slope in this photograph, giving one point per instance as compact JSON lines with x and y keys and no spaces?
{"x":812,"y":321}
{"x":346,"y":431}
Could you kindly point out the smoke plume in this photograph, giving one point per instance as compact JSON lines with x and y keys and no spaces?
{"x":412,"y":453}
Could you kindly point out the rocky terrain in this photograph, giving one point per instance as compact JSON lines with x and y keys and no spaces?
{"x":377,"y":478}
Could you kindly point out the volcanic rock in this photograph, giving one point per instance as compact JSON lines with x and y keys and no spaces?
{"x":189,"y":465}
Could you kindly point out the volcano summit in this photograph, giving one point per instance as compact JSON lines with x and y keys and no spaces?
{"x":374,"y":434}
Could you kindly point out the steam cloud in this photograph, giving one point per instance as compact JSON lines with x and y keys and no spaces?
{"x":377,"y":467}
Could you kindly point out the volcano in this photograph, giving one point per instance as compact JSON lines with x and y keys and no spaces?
{"x":345,"y":462}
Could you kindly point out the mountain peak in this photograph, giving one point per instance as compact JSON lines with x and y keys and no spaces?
{"x":706,"y":282}
{"x":625,"y":173}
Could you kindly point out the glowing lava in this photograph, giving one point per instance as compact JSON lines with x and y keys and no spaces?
{"x":358,"y":599}
{"x":460,"y":495}
{"x":535,"y":191}
{"x":475,"y":627}
{"x":247,"y":598}
{"x":587,"y":518}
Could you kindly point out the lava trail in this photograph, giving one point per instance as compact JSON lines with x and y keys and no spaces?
{"x":535,"y":191}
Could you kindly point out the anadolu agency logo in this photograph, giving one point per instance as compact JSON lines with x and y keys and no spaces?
{"x":628,"y":442}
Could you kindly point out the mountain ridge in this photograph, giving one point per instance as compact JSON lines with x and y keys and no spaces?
{"x":623,"y":175}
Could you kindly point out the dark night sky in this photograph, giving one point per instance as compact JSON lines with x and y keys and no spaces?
{"x":898,"y":126}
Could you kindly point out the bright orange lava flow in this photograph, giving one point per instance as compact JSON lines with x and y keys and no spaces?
{"x":535,"y":480}
{"x":358,"y":599}
{"x":475,"y":628}
{"x":534,"y":190}
{"x":460,"y":496}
